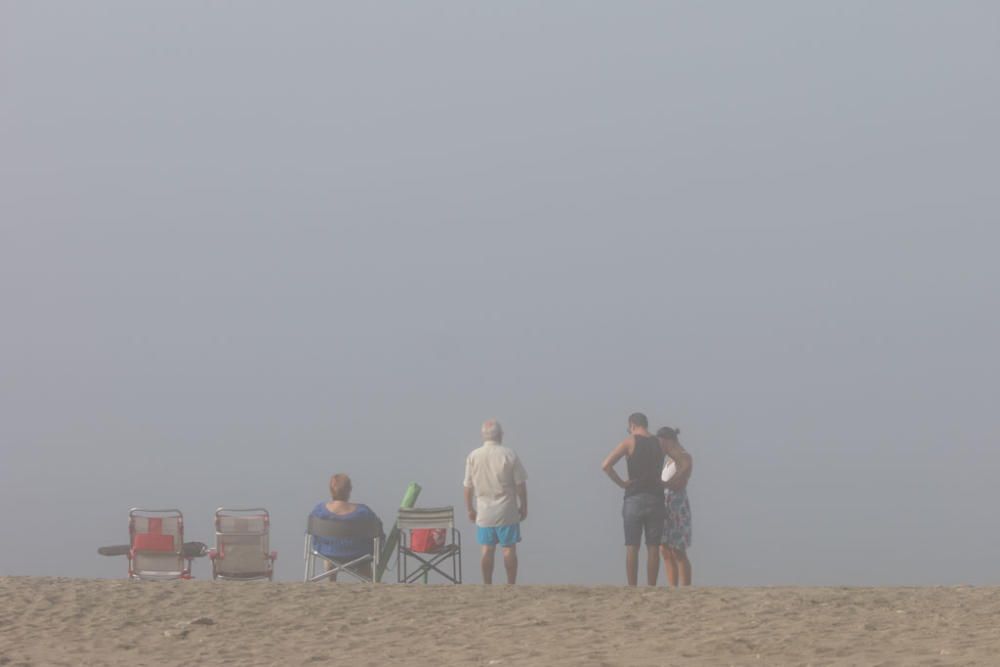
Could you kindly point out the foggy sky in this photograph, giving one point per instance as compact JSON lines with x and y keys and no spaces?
{"x":246,"y":245}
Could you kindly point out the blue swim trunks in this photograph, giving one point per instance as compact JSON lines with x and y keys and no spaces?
{"x":505,"y":536}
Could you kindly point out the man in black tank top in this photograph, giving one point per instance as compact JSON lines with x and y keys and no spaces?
{"x":643,"y":510}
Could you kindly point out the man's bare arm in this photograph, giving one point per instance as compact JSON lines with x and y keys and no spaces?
{"x":522,"y":495}
{"x":609,"y":463}
{"x":468,"y":504}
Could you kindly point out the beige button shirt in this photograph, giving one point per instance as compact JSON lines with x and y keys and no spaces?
{"x":493,"y":472}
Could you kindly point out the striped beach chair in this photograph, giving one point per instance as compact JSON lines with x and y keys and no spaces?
{"x":242,"y":545}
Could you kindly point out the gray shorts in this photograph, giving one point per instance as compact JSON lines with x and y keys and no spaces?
{"x":643,"y":512}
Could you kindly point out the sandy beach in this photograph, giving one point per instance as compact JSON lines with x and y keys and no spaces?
{"x":58,"y":621}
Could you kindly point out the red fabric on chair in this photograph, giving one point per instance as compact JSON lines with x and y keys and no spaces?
{"x":153,"y":542}
{"x":427,"y":540}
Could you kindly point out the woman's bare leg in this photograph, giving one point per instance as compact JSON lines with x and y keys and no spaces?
{"x":683,"y":566}
{"x":669,"y":564}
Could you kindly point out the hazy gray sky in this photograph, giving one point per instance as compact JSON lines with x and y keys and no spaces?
{"x":245,"y":245}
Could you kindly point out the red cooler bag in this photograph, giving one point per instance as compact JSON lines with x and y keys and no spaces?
{"x":427,"y":540}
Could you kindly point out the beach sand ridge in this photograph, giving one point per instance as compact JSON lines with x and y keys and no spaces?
{"x":61,"y":621}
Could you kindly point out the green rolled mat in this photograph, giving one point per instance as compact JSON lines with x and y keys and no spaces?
{"x":409,"y":500}
{"x":410,"y":497}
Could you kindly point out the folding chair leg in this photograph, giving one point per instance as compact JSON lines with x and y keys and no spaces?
{"x":456,"y":537}
{"x":308,"y":559}
{"x":428,"y":565}
{"x":338,"y":568}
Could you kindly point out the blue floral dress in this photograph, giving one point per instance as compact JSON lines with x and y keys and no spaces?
{"x":677,"y":525}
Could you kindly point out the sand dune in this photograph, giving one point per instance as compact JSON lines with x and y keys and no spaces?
{"x":55,"y":621}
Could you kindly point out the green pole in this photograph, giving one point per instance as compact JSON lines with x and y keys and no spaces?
{"x":409,"y":500}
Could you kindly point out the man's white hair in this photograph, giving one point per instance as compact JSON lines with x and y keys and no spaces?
{"x":492,"y":431}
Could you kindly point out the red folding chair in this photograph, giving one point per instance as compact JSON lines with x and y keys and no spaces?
{"x":156,"y":545}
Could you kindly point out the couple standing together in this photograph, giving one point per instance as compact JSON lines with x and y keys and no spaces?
{"x":665,"y":518}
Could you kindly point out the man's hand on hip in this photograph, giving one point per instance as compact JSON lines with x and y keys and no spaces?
{"x":472,"y":516}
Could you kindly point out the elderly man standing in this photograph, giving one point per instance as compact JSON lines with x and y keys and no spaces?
{"x":495,"y":477}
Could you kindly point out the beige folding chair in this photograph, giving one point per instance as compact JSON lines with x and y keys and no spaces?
{"x":432,"y":555}
{"x":369,"y":528}
{"x":156,"y":545}
{"x":242,"y":550}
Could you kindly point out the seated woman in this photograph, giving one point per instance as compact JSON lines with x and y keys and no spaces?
{"x":344,"y":549}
